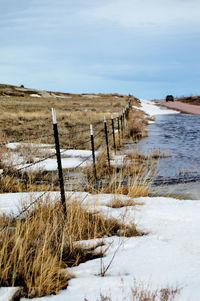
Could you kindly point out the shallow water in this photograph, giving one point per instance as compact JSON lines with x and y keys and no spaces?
{"x":178,"y":137}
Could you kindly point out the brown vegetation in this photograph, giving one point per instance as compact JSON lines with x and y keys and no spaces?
{"x":36,"y":247}
{"x":29,"y":117}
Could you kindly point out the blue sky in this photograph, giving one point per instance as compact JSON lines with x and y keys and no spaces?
{"x":146,"y":48}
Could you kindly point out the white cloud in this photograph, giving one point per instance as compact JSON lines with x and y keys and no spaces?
{"x":153,"y":15}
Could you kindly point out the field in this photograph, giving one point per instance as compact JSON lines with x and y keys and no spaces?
{"x":26,"y":113}
{"x":49,"y":242}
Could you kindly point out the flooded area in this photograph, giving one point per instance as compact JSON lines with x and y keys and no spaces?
{"x":177,"y":137}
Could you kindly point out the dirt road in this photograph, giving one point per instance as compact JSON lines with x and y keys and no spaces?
{"x":182,"y":107}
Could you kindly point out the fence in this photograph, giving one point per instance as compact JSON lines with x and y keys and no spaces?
{"x":109,"y":129}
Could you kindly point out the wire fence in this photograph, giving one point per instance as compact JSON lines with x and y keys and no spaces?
{"x":104,"y":133}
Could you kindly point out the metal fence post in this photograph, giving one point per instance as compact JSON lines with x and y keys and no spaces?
{"x":107,"y":143}
{"x":93,"y":155}
{"x":124,"y":121}
{"x":121,"y":124}
{"x":118,"y":128}
{"x":60,"y":173}
{"x":113,"y":132}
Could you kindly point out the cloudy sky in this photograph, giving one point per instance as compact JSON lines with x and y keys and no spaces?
{"x":146,"y":48}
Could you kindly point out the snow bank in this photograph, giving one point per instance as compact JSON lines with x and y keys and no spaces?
{"x":152,"y":109}
{"x":166,"y":256}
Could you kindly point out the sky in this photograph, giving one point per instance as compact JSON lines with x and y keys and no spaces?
{"x":140,"y":47}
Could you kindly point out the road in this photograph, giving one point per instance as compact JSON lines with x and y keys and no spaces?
{"x":180,"y":106}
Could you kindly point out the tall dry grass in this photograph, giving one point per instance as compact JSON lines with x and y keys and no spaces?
{"x":35,"y":248}
{"x":133,"y":177}
{"x":136,"y":125}
{"x":23,"y":117}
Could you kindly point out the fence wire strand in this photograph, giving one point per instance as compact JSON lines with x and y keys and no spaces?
{"x":26,"y":139}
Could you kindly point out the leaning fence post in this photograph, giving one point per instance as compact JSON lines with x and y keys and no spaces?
{"x":113,"y":132}
{"x":93,"y":155}
{"x":107,"y":143}
{"x":60,"y":173}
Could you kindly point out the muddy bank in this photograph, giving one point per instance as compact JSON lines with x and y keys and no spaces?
{"x":181,"y":107}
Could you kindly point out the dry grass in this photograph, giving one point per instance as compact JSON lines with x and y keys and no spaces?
{"x":142,"y":292}
{"x":36,"y":247}
{"x":133,"y":178}
{"x":136,"y":125}
{"x":137,"y":186}
{"x":119,"y":203}
{"x":12,"y":180}
{"x":25,"y":116}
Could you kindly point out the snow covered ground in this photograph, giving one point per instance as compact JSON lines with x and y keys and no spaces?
{"x":150,"y":108}
{"x":70,"y":158}
{"x":168,"y":255}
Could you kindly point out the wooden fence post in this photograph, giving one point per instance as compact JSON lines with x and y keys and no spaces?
{"x":59,"y":163}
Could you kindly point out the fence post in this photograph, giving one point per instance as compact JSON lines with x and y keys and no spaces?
{"x":107,"y":143}
{"x":124,"y":120}
{"x":93,"y":155}
{"x":121,"y":124}
{"x":118,"y":128}
{"x":113,"y":131}
{"x":127,"y":111}
{"x":60,"y":173}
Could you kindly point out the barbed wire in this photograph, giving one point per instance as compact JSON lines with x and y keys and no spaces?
{"x":51,"y":156}
{"x":74,"y":132}
{"x":26,"y":139}
{"x":36,"y":162}
{"x":31,"y":204}
{"x":25,"y":209}
{"x":51,"y":135}
{"x":81,"y":163}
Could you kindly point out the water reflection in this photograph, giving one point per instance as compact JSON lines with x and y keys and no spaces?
{"x":177,"y":135}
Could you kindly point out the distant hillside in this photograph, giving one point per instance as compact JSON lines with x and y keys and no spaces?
{"x":21,"y":91}
{"x":194,"y":100}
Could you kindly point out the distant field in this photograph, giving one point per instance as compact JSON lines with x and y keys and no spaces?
{"x":193,"y":100}
{"x":26,"y":113}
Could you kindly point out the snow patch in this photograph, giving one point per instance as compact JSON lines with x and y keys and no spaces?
{"x":152,"y":109}
{"x":35,"y":95}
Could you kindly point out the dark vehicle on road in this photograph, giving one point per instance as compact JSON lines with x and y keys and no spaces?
{"x":169,"y":98}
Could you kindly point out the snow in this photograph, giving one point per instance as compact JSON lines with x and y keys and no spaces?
{"x":70,"y":158}
{"x":35,"y":95}
{"x":51,"y":164}
{"x":6,"y":293}
{"x":169,"y":253}
{"x":90,"y":95}
{"x":63,"y":96}
{"x":15,"y":145}
{"x":150,"y":108}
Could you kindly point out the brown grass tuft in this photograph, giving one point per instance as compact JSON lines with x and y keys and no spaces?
{"x":36,"y":247}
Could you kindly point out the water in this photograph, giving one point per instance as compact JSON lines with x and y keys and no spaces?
{"x":178,"y":136}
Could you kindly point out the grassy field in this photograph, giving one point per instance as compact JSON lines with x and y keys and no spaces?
{"x":26,"y":116}
{"x":35,"y":248}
